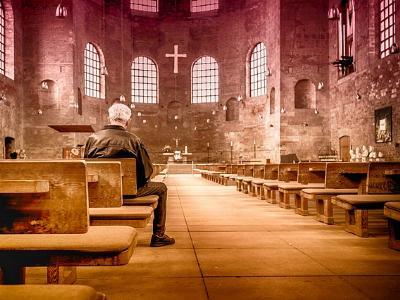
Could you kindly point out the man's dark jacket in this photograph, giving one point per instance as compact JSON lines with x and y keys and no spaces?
{"x":115,"y":141}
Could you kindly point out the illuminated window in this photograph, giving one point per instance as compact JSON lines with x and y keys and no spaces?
{"x":205,"y":80}
{"x":2,"y":40}
{"x":258,"y":71}
{"x":145,"y":5}
{"x":347,"y":29}
{"x":144,"y":80}
{"x":387,"y":26}
{"x":92,"y":71}
{"x":204,"y":5}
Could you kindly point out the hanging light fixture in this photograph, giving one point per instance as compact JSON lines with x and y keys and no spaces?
{"x":122,"y":98}
{"x":268,"y":72}
{"x":394,"y":49}
{"x":133,"y":106}
{"x":144,"y":121}
{"x":139,"y":114}
{"x":213,"y":112}
{"x":61,"y":11}
{"x":208,"y":120}
{"x":320,"y":85}
{"x":225,"y":107}
{"x":104,"y":70}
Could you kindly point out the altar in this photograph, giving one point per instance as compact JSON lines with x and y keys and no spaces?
{"x":177,"y":156}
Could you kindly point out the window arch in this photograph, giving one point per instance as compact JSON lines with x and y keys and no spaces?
{"x":205,"y":80}
{"x":144,"y":80}
{"x":145,"y":5}
{"x":305,"y":94}
{"x":2,"y":40}
{"x":6,"y":39}
{"x":387,"y":13}
{"x":94,"y":72}
{"x":204,"y":5}
{"x":258,"y":71}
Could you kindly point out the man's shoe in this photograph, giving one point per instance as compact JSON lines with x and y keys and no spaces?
{"x":159,"y":241}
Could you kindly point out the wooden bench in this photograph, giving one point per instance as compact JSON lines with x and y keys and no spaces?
{"x":270,"y":174}
{"x":287,"y":173}
{"x":340,"y":178}
{"x":258,"y":173}
{"x":310,"y":175}
{"x":49,"y":292}
{"x":392,"y":212}
{"x":231,"y":172}
{"x":383,"y":185}
{"x":106,"y":199}
{"x":244,"y":176}
{"x":37,"y":223}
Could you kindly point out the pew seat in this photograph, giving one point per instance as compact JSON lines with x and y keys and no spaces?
{"x":49,"y":292}
{"x":392,"y":212}
{"x":135,"y":216}
{"x":150,"y":200}
{"x":323,"y":204}
{"x":356,"y":209}
{"x":271,"y":189}
{"x":285,"y":190}
{"x":100,"y":246}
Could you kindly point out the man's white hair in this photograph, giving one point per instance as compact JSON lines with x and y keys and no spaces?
{"x":119,"y":112}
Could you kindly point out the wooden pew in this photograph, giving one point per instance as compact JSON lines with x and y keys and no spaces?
{"x":231,"y":173}
{"x":243,"y":179}
{"x":239,"y":177}
{"x":310,"y":175}
{"x":49,"y":292}
{"x":392,"y":212}
{"x":105,"y":197}
{"x":270,"y":174}
{"x":383,"y":185}
{"x":36,"y":226}
{"x":340,"y":178}
{"x":258,"y":173}
{"x":287,"y":172}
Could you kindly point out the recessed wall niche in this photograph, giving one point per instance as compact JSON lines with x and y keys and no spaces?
{"x":304,"y":94}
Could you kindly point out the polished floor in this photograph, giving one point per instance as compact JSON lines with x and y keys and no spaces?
{"x":233,"y":246}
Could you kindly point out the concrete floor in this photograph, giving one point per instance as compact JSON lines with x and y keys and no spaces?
{"x":233,"y":246}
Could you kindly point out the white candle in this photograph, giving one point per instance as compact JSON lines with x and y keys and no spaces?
{"x":254,"y":142}
{"x":231,"y":143}
{"x":186,"y":149}
{"x":208,"y":144}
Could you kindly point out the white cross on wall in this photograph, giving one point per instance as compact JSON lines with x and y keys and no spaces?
{"x":176,"y":56}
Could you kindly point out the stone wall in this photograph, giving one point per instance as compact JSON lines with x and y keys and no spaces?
{"x":376,"y":81}
{"x":11,"y":83}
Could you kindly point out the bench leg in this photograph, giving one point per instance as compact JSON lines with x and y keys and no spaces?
{"x":244,"y":188}
{"x":12,"y":274}
{"x":284,"y":199}
{"x":302,"y":207}
{"x":357,"y":222}
{"x":262,"y":194}
{"x":328,"y":212}
{"x":61,"y":275}
{"x":394,"y":234}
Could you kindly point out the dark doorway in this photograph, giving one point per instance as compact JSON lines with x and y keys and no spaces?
{"x":9,"y":146}
{"x":344,"y":146}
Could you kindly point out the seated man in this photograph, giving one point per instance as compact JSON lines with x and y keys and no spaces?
{"x":114,"y":141}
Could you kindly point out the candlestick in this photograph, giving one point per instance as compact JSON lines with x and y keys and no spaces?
{"x":231,"y":144}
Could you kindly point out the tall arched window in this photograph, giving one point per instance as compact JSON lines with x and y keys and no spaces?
{"x":205,"y":81}
{"x":145,"y":5}
{"x":93,"y":72}
{"x":2,"y":40}
{"x":144,"y":80}
{"x":347,"y":32}
{"x":204,"y":5}
{"x":387,"y":11}
{"x":258,"y":71}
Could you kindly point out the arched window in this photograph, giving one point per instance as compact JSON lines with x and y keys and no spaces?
{"x":305,"y":94}
{"x":258,"y":71}
{"x":2,"y":40}
{"x":144,"y":80}
{"x":347,"y":31}
{"x":93,"y":73}
{"x":205,"y":82}
{"x":204,"y":5}
{"x":387,"y":11}
{"x":145,"y":5}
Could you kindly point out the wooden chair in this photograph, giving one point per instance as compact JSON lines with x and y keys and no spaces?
{"x":42,"y":203}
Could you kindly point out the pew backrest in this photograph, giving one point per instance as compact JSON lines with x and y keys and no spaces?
{"x":345,"y":175}
{"x":271,"y":171}
{"x":383,"y":178}
{"x":311,"y":172}
{"x":43,"y":197}
{"x":288,"y":172}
